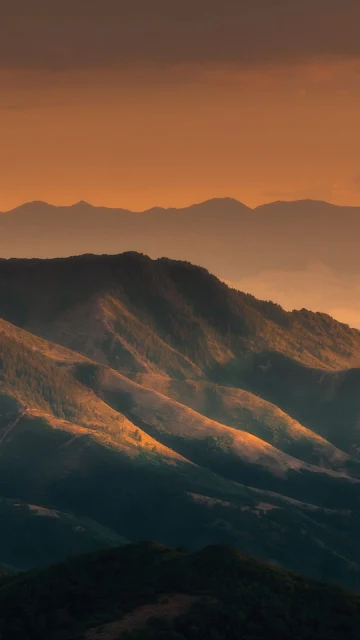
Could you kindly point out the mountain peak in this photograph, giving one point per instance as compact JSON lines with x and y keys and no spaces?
{"x":33,"y":203}
{"x":215,"y":205}
{"x":220,"y":205}
{"x":229,"y":202}
{"x":81,"y":203}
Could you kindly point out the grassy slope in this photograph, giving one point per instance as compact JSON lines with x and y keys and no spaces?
{"x":97,"y":463}
{"x":242,"y":409}
{"x":31,"y":381}
{"x":248,"y":414}
{"x":234,"y":453}
{"x":226,"y":593}
{"x":162,"y":318}
{"x":327,"y":402}
{"x":165,"y":321}
{"x":32,"y":377}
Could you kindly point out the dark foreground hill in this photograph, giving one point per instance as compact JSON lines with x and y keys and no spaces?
{"x":150,"y":592}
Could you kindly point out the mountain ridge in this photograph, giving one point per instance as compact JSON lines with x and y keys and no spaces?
{"x":152,"y":399}
{"x":215,"y":200}
{"x":279,"y":251}
{"x":173,"y":286}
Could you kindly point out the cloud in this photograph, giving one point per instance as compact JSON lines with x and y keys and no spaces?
{"x":122,"y":34}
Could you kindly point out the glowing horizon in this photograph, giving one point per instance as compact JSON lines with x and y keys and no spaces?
{"x":178,"y":104}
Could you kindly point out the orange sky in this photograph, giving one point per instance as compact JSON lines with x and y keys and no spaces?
{"x":186,"y":121}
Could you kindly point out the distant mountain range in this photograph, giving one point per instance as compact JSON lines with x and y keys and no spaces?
{"x":300,"y":254}
{"x":145,"y":399}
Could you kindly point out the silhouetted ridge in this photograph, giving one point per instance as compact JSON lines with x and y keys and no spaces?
{"x":178,"y":299}
{"x":270,"y":246}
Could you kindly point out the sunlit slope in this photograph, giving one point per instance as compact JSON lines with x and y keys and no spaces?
{"x":251,"y":414}
{"x":125,"y":416}
{"x":34,"y":384}
{"x":243,"y":410}
{"x":327,"y":402}
{"x":64,"y":448}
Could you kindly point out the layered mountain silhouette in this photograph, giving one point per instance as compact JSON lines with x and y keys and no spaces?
{"x":145,"y":399}
{"x":301,"y":254}
{"x":232,"y":235}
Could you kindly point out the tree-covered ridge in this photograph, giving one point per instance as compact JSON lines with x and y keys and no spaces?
{"x":189,"y":309}
{"x":233,"y":597}
{"x":32,"y":379}
{"x":165,"y":414}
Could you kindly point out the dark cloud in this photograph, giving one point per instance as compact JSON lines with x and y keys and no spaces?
{"x":79,"y":34}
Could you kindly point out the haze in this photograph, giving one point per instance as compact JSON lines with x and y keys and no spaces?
{"x":137,"y":104}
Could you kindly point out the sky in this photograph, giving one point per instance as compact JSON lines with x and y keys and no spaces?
{"x":317,"y":287}
{"x":136,"y":103}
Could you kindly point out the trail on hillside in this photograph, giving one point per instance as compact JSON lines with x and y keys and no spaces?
{"x":12,"y":425}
